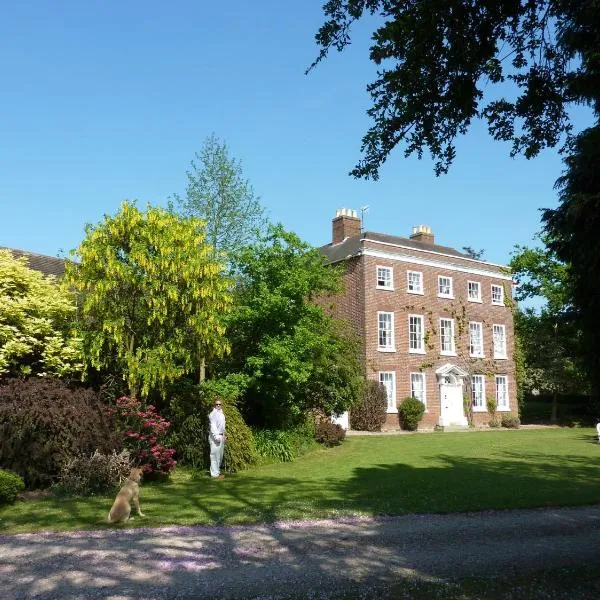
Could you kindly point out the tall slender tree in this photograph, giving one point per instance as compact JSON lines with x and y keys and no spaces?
{"x":218,"y":193}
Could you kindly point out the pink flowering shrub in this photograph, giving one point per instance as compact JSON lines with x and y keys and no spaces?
{"x":143,"y":430}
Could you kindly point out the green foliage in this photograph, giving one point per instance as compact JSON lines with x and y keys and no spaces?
{"x":152,"y":296}
{"x":294,"y":357}
{"x":494,"y":423}
{"x":273,"y":443}
{"x":37,"y":335}
{"x":95,"y":473}
{"x":430,"y":77}
{"x":510,"y":421}
{"x":11,"y":485}
{"x":539,"y":273}
{"x":410,"y":412}
{"x":191,"y":407}
{"x":468,"y":409}
{"x":492,"y":405}
{"x":218,"y":193}
{"x":44,"y":425}
{"x":549,"y":346}
{"x":329,"y":434}
{"x":371,"y":414}
{"x":284,"y":445}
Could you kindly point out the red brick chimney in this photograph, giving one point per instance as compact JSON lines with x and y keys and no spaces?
{"x":345,"y":224}
{"x":422,"y":233}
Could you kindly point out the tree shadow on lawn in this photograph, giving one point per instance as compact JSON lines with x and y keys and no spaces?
{"x":231,"y":561}
{"x":448,"y":484}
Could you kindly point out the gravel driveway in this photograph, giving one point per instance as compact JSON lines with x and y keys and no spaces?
{"x":304,"y":559}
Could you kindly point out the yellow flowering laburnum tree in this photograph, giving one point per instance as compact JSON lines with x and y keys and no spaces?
{"x":152,"y":297}
{"x":37,"y":334}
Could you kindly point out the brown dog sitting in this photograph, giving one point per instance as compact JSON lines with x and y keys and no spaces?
{"x":130,"y":493}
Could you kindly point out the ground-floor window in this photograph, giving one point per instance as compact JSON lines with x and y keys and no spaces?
{"x":417,"y":387}
{"x":502,"y":392}
{"x":388,"y":380}
{"x":478,"y":392}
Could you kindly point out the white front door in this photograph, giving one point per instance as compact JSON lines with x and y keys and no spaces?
{"x":451,"y":401}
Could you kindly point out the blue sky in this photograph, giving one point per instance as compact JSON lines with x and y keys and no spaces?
{"x":102,"y":101}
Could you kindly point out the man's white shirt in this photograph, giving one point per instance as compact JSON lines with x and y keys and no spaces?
{"x":217,"y":424}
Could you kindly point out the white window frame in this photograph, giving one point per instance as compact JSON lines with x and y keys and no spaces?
{"x":478,"y":393}
{"x":421,"y":376}
{"x":501,"y":288}
{"x":475,"y":283}
{"x":450,"y":293}
{"x":499,"y":349}
{"x":502,"y":393}
{"x":452,"y":350}
{"x":385,"y":377}
{"x":390,"y":278}
{"x":408,"y":283}
{"x":391,"y":346}
{"x":479,"y":326}
{"x":420,"y":340}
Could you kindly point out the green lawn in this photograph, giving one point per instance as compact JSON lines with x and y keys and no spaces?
{"x":367,"y":475}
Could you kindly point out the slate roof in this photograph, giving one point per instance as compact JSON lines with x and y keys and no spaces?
{"x":350,"y":246}
{"x":48,"y":265}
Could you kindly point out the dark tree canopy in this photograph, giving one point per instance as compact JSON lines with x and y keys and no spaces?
{"x":572,"y":232}
{"x":435,"y":57}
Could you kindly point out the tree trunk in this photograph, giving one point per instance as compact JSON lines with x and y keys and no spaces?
{"x":201,"y":364}
{"x":554,"y":413}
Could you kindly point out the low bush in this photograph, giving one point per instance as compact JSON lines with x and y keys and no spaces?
{"x":511,"y":421}
{"x":94,"y":474}
{"x":371,"y":413}
{"x":273,"y":443}
{"x":494,"y":423}
{"x":44,"y":424}
{"x":329,"y":434}
{"x":11,"y":485}
{"x":410,"y":412}
{"x":144,"y":433}
{"x":191,"y":405}
{"x":284,"y":445}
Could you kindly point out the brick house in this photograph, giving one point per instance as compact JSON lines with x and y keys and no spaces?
{"x":435,"y":324}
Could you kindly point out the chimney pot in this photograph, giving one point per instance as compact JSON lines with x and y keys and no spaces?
{"x":422,"y":233}
{"x":345,"y":224}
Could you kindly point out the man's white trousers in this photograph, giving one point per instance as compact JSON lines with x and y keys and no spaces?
{"x":216,"y":456}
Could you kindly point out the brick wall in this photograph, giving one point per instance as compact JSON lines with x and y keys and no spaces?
{"x":402,"y":303}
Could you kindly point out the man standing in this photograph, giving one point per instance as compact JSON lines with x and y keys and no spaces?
{"x":216,"y":438}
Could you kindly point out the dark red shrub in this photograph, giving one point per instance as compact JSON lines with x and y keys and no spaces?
{"x":44,"y":424}
{"x":329,"y":434}
{"x":371,"y":413}
{"x":143,"y":429}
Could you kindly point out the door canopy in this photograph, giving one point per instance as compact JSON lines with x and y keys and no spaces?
{"x":451,"y":374}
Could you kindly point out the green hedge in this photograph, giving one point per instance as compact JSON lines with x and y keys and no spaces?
{"x":191,"y":405}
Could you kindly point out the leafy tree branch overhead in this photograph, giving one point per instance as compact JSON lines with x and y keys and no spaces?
{"x":435,"y":57}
